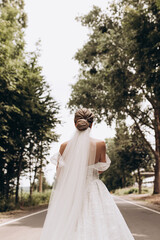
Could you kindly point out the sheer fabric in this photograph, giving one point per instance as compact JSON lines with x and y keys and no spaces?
{"x":66,"y":201}
{"x":81,"y":207}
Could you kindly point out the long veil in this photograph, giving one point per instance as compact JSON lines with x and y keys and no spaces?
{"x":66,"y":203}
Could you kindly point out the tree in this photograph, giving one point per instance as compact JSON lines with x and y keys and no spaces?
{"x":127,"y":153}
{"x":28,"y":113}
{"x":12,"y":24}
{"x":114,"y":177}
{"x":120,"y":69}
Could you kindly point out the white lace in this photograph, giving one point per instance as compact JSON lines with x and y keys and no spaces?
{"x":92,"y":214}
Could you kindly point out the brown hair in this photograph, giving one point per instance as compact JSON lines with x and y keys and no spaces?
{"x":83,"y":119}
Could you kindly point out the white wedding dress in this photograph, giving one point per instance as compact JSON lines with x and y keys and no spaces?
{"x":98,"y":217}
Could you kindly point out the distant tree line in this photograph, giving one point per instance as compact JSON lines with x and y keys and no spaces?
{"x":28,"y":113}
{"x":128,"y":154}
{"x":120,"y":70}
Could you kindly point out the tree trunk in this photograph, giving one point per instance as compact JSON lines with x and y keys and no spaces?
{"x":124,"y":178}
{"x":40,"y":172}
{"x":31,"y":188}
{"x":32,"y":183}
{"x":157,"y":165}
{"x":7,"y":187}
{"x":40,"y":181}
{"x":18,"y":178}
{"x":157,"y":176}
{"x":2,"y":178}
{"x":139,"y":182}
{"x":122,"y":182}
{"x":31,"y":191}
{"x":17,"y":189}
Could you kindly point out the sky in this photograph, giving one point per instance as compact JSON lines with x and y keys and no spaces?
{"x":53,"y":22}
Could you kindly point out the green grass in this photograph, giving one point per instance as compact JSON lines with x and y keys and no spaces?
{"x":130,"y":190}
{"x":37,"y":199}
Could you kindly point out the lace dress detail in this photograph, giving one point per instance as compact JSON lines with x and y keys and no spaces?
{"x":93,"y":174}
{"x":100,"y":218}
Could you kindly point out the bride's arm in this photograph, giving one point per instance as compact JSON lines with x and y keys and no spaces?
{"x":57,"y":169}
{"x":102,"y":154}
{"x":61,"y":150}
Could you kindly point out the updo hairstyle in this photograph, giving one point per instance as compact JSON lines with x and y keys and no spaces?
{"x":83,"y":119}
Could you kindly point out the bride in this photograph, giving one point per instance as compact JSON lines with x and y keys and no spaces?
{"x":81,"y":207}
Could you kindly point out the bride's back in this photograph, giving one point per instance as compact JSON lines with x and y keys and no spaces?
{"x":97,"y":151}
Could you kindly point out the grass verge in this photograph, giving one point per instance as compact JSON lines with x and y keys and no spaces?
{"x":25,"y":201}
{"x":132,"y":190}
{"x":147,"y":196}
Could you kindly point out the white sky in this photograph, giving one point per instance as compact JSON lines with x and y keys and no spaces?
{"x":53,"y":22}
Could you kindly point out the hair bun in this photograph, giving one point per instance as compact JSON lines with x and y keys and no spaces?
{"x":83,"y":119}
{"x":82,"y":124}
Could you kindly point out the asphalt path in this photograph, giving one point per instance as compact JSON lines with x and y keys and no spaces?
{"x":143,"y":222}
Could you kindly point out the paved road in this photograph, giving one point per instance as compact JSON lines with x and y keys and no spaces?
{"x":143,"y":223}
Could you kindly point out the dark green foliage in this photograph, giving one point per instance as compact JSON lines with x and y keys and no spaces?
{"x":25,"y":200}
{"x":127,"y":154}
{"x":120,"y":69}
{"x":37,"y":199}
{"x":27,"y":110}
{"x":132,"y":190}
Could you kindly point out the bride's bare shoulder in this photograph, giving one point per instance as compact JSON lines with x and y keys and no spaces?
{"x":99,"y":141}
{"x":62,"y":147}
{"x":64,"y":144}
{"x":100,"y":144}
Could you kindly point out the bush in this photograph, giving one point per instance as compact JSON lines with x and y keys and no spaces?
{"x":130,"y":190}
{"x":145,"y":190}
{"x":2,"y":205}
{"x":25,"y":201}
{"x":36,"y":200}
{"x":6,"y":205}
